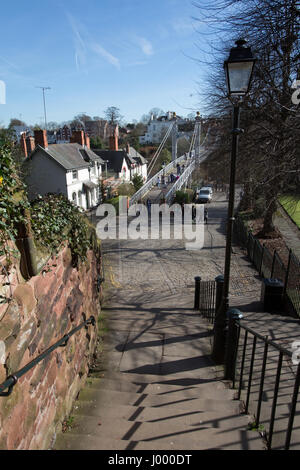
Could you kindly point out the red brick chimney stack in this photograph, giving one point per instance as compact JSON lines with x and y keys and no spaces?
{"x":41,"y":138}
{"x":77,"y":138}
{"x":87,"y":140}
{"x":23,"y":144}
{"x":114,"y":140}
{"x":30,"y":143}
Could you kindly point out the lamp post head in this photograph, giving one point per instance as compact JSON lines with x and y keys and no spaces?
{"x":239,"y":69}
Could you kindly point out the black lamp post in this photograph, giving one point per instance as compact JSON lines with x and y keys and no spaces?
{"x":238,"y":70}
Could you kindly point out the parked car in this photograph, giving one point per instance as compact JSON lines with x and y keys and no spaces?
{"x":204,"y":196}
{"x":209,"y":187}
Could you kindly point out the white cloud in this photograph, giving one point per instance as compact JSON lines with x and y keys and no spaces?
{"x":80,"y":47}
{"x":145,"y":45}
{"x":99,"y":50}
{"x":83,"y":44}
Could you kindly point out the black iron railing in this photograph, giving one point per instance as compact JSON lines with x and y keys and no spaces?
{"x":205,"y":298}
{"x":11,"y":381}
{"x":268,"y":377}
{"x":272,"y":266}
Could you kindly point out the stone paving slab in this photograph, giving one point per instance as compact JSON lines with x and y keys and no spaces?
{"x":156,"y":339}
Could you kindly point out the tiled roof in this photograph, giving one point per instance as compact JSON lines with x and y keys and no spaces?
{"x":137,"y":156}
{"x":71,"y":156}
{"x":115,"y":158}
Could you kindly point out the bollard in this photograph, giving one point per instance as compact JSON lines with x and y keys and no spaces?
{"x":233,"y":316}
{"x":197,"y":292}
{"x":219,"y":291}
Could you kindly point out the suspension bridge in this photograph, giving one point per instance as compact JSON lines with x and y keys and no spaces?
{"x":162,"y":186}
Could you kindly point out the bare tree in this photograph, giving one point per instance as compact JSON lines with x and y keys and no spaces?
{"x":269,"y":161}
{"x":113,"y":115}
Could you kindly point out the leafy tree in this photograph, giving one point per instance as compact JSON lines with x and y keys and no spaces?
{"x":137,"y":181}
{"x":165,"y":157}
{"x":96,"y":143}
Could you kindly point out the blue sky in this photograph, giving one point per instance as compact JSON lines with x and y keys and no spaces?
{"x":133,"y":54}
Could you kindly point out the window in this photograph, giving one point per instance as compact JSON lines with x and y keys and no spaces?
{"x":74,"y":198}
{"x":74,"y":174}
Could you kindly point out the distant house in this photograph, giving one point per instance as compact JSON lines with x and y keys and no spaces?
{"x":123,"y":163}
{"x":157,"y":128}
{"x":63,"y":134}
{"x":20,"y":130}
{"x":98,"y":128}
{"x":72,"y":169}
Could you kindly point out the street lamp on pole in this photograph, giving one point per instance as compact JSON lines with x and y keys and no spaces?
{"x":238,"y":70}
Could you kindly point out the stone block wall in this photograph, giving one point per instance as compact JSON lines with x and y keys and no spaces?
{"x":34,"y":316}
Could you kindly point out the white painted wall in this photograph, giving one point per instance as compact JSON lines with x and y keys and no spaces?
{"x":43,"y":176}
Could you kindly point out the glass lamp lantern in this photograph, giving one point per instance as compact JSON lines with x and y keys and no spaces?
{"x":239,"y":69}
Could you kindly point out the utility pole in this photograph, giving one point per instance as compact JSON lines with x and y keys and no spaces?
{"x":44,"y":88}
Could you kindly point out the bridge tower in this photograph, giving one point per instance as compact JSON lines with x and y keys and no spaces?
{"x":174,"y":138}
{"x":198,"y":134}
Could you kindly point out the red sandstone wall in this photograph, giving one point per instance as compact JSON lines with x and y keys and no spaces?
{"x":38,"y":313}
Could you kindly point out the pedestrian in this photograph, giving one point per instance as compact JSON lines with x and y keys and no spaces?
{"x":158,"y":181}
{"x":205,"y":215}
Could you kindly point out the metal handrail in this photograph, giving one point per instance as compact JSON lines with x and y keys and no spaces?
{"x":181,"y":181}
{"x":11,"y":381}
{"x":153,"y":180}
{"x":282,"y":352}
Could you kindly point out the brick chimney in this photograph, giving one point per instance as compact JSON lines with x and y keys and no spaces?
{"x":77,"y":138}
{"x":114,"y":139}
{"x":23,"y":144}
{"x":40,"y":137}
{"x":30,"y":144}
{"x":87,"y":140}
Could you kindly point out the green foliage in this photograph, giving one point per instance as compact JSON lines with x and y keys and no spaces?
{"x":291,"y":203}
{"x":165,"y":156}
{"x":138,"y":182}
{"x":126,"y":189}
{"x":52,"y":218}
{"x":184,"y":197}
{"x":13,"y":203}
{"x":114,"y":202}
{"x":55,"y":219}
{"x":96,"y":143}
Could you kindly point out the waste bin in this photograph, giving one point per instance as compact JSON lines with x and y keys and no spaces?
{"x":271,"y":295}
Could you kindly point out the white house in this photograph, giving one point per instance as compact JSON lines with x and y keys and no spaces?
{"x":124,"y":163}
{"x":72,"y":169}
{"x":157,"y":128}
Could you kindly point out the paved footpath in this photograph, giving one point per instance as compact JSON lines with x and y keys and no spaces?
{"x":155,"y":386}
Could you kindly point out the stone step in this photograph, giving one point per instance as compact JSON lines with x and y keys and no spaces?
{"x":176,"y":399}
{"x":181,"y":379}
{"x":118,"y":428}
{"x":204,"y":439}
{"x":209,"y":389}
{"x":162,"y":414}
